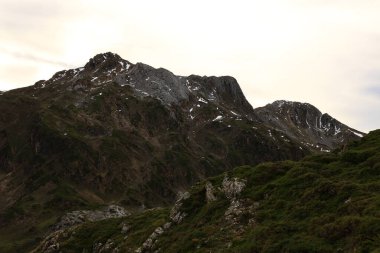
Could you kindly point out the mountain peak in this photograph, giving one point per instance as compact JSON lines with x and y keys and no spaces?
{"x":109,"y":59}
{"x":304,"y":121}
{"x":288,"y":103}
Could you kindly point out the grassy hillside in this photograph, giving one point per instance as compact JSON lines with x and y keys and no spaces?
{"x":324,"y":203}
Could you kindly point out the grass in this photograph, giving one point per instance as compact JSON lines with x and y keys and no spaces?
{"x":323,"y":203}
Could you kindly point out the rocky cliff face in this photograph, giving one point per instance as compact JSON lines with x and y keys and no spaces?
{"x":306,"y":123}
{"x":116,"y":132}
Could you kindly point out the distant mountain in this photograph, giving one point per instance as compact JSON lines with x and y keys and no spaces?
{"x":116,"y":132}
{"x":304,"y":122}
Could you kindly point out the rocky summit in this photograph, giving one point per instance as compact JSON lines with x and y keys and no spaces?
{"x":131,"y":136}
{"x":304,"y":122}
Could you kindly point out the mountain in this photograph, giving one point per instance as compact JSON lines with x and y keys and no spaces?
{"x":304,"y":122}
{"x":130,"y":135}
{"x":323,"y":203}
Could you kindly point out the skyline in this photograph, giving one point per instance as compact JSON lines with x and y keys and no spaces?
{"x":325,"y":53}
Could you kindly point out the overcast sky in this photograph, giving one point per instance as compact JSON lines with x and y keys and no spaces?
{"x":324,"y":52}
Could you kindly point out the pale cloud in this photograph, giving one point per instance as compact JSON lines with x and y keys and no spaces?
{"x":374,"y":90}
{"x":322,"y":52}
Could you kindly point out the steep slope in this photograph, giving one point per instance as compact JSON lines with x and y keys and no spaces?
{"x":323,"y":203}
{"x":113,"y":126}
{"x":304,"y":122}
{"x":116,"y":132}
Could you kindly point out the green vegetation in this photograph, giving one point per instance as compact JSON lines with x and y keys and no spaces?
{"x":323,"y":203}
{"x":140,"y":226}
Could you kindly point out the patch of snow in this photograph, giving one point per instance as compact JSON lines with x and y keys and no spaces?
{"x":198,"y":105}
{"x":101,"y":93}
{"x":336,"y":130}
{"x":219,"y":117}
{"x":270,"y":134}
{"x":191,"y":109}
{"x":356,"y":133}
{"x":234,"y":113}
{"x":202,"y":100}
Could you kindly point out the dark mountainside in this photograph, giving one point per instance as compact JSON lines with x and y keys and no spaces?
{"x":304,"y":122}
{"x":323,"y":203}
{"x":114,"y":132}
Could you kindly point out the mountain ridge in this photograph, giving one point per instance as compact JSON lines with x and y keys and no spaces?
{"x":303,"y":119}
{"x":113,"y":132}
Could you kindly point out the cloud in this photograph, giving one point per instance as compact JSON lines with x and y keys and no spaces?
{"x":36,"y":58}
{"x":373,"y":90}
{"x":314,"y":51}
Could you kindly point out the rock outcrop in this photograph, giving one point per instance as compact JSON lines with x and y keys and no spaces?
{"x":233,"y":187}
{"x":176,"y":215}
{"x":210,"y":197}
{"x":81,"y":216}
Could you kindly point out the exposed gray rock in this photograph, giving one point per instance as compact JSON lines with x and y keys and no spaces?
{"x":125,"y":228}
{"x":159,"y":83}
{"x":175,"y":214}
{"x":108,"y":246}
{"x":152,"y":239}
{"x":221,"y":90}
{"x":167,"y":225}
{"x":51,"y":243}
{"x":210,"y":192}
{"x":240,"y":214}
{"x":232,"y":188}
{"x":78,"y":217}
